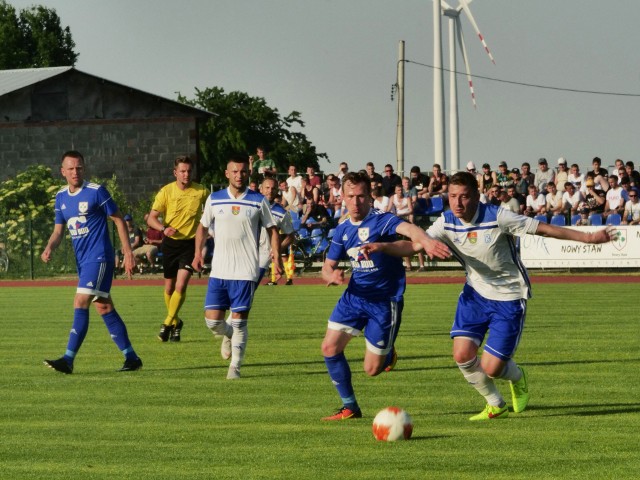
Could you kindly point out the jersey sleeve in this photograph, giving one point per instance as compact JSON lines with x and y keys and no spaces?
{"x":207,"y":218}
{"x":436,"y":230}
{"x":160,"y":202}
{"x":514,"y":224}
{"x":336,"y":249}
{"x":286,"y":225}
{"x":59,"y":220}
{"x":265,"y":214}
{"x":105,"y":201}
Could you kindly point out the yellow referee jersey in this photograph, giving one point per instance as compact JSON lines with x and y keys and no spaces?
{"x":181,"y":209}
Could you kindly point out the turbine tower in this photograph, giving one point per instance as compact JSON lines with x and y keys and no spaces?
{"x":456,"y":37}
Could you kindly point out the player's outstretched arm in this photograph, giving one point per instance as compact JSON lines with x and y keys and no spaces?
{"x":602,"y":235}
{"x":400,"y":248}
{"x":432,"y":247}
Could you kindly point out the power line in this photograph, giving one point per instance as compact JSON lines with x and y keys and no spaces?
{"x":532,"y":85}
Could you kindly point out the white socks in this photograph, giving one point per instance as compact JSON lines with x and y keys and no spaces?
{"x":478,"y":379}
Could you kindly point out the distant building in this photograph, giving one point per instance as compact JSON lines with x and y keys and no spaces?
{"x":120,"y":130}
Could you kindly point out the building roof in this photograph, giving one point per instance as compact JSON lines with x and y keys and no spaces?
{"x":11,"y":80}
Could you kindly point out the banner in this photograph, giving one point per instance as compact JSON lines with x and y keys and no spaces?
{"x":543,"y":252}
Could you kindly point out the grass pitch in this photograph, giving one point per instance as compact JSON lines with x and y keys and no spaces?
{"x":179,"y":418}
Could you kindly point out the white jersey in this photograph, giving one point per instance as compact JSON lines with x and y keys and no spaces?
{"x":236,"y":223}
{"x":486,"y":248}
{"x":283,"y":223}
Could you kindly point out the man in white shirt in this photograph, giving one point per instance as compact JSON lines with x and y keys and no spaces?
{"x":493,"y":302}
{"x":536,"y":202}
{"x":235,"y":215}
{"x":571,"y":199}
{"x":553,"y":200}
{"x":616,"y":197}
{"x":294,"y":180}
{"x":632,"y":210}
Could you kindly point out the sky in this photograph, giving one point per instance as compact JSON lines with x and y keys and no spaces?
{"x":335,"y":62}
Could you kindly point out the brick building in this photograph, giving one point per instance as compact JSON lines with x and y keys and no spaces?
{"x":120,"y":130}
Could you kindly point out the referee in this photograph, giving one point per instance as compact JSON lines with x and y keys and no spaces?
{"x":180,"y":204}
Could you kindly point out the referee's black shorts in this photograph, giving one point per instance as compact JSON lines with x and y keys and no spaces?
{"x":177,"y":254}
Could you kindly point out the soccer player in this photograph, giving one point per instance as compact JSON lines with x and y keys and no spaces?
{"x":83,"y":208}
{"x":373,"y":300}
{"x":269,"y":188}
{"x":494,"y":298}
{"x":235,"y":214}
{"x":180,"y":203}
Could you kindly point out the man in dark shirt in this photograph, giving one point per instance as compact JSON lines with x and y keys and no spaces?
{"x":390,"y":181}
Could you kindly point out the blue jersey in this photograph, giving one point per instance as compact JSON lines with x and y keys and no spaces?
{"x":85,"y":212}
{"x":380,"y":277}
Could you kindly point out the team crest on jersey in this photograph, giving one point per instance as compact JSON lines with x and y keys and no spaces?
{"x":472,"y":237}
{"x":235,"y":209}
{"x":83,"y":207}
{"x":363,"y":234}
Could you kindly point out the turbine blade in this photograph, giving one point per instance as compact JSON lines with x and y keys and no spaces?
{"x":465,"y":6}
{"x":466,"y":60}
{"x":444,"y":5}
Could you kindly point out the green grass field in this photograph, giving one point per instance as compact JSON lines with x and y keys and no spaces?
{"x":179,"y":418}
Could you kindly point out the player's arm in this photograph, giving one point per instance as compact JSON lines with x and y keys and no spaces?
{"x":153,"y":221}
{"x":432,"y":247}
{"x":285,"y":241}
{"x":331,"y":273}
{"x":54,"y":242}
{"x":275,"y":248}
{"x":603,"y":235}
{"x":400,"y":248}
{"x":201,"y":237}
{"x":123,"y":235}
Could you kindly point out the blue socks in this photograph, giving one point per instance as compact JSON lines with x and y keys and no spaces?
{"x":119,"y":335}
{"x":340,"y":374}
{"x":79,"y":330}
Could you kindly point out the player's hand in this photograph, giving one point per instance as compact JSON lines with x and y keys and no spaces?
{"x":129,"y":264}
{"x":169,"y":231}
{"x":604,"y":235}
{"x":435,"y":248}
{"x":46,"y":255}
{"x":197,"y":263}
{"x":278,"y":269}
{"x":337,"y":277}
{"x":369,"y":248}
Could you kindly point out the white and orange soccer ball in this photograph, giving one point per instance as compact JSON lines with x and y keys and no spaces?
{"x":391,"y":424}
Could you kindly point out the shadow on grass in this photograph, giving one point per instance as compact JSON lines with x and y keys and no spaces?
{"x":580,"y":362}
{"x":585,"y":410}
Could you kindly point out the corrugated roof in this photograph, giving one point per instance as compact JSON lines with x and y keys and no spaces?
{"x":11,"y":80}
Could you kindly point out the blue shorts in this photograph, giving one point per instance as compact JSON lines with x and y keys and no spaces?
{"x":380,"y":320}
{"x":503,"y":319}
{"x":236,"y":295}
{"x":95,"y":278}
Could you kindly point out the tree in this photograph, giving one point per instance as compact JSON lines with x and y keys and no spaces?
{"x":34,"y":39}
{"x":242,"y":123}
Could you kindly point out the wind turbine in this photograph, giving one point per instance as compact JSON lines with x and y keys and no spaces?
{"x":456,"y":37}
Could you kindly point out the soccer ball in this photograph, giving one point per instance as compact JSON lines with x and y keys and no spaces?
{"x":391,"y":424}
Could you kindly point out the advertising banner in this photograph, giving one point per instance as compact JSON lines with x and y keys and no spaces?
{"x":623,"y":252}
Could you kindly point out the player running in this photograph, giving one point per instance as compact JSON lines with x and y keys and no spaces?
{"x":494,"y":298}
{"x":373,"y":300}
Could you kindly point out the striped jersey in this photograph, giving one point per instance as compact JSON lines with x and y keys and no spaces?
{"x":236,"y":223}
{"x":85,"y":213}
{"x":486,"y":248}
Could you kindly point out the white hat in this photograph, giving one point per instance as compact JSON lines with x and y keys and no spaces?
{"x":562,"y":161}
{"x":471,"y":166}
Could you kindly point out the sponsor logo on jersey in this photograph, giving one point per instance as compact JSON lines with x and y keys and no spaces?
{"x":363,"y":234}
{"x":472,"y":237}
{"x":83,"y":207}
{"x":77,"y":226}
{"x":487,"y":238}
{"x":235,"y":209}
